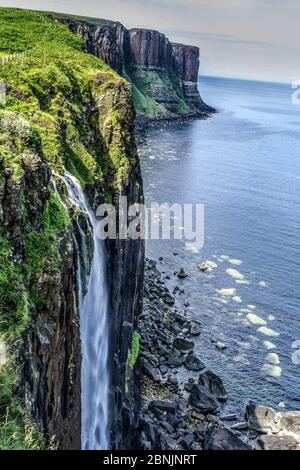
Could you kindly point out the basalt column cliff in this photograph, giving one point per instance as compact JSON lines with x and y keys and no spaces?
{"x":163,"y":75}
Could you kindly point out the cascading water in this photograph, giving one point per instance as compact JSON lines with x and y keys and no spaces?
{"x":93,"y":305}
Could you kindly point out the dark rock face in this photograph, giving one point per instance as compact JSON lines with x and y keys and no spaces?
{"x":125,"y":271}
{"x":174,"y":68}
{"x":150,"y":48}
{"x":108,"y":41}
{"x":187,"y":61}
{"x":50,"y":354}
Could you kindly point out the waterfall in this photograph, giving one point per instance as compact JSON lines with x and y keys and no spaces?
{"x":94,"y":331}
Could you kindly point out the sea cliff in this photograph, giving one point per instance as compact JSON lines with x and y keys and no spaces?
{"x":163,"y":75}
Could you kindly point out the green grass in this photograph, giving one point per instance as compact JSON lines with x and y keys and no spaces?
{"x":16,"y":429}
{"x":13,"y":296}
{"x":133,"y":354}
{"x":148,"y":84}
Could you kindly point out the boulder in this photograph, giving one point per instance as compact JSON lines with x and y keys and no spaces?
{"x":164,"y":406}
{"x":187,"y":440}
{"x":275,"y":442}
{"x":195,"y":329}
{"x":214,"y":385}
{"x":168,"y":299}
{"x":182,"y":274}
{"x":193,"y":363}
{"x":202,"y":401}
{"x":262,"y":419}
{"x":223,"y":439}
{"x":150,"y":371}
{"x":290,"y":422}
{"x":183,"y":345}
{"x":174,"y":360}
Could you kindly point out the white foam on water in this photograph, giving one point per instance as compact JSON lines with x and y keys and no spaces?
{"x":235,"y":262}
{"x":268,"y":331}
{"x":242,"y":359}
{"x":274,"y":371}
{"x":230,"y":292}
{"x":235,"y":274}
{"x":255,"y":319}
{"x":263,"y":284}
{"x":273,"y":358}
{"x":269,"y":345}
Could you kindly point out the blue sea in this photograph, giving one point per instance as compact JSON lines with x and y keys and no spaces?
{"x":243,"y":164}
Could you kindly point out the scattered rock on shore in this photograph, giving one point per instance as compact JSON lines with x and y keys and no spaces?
{"x":214,"y":385}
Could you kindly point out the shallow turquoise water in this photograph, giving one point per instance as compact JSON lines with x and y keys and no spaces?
{"x":244,"y":165}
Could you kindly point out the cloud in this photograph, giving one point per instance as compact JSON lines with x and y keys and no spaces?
{"x":216,"y":37}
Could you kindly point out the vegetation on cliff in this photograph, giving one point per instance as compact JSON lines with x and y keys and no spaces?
{"x":63,"y":109}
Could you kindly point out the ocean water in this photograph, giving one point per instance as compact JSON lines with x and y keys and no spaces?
{"x":243,"y":164}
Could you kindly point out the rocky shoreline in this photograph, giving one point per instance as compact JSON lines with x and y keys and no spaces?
{"x":183,"y":416}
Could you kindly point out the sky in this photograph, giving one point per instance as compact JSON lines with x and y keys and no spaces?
{"x":250,"y":39}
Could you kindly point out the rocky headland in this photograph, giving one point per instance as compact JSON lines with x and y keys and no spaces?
{"x":163,"y":75}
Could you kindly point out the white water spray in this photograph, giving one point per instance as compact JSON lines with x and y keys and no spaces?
{"x":93,"y":305}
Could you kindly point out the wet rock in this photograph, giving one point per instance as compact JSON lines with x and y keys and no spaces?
{"x":203,"y":266}
{"x":174,"y":361}
{"x":172,"y":380}
{"x":188,"y":385}
{"x":193,"y":363}
{"x":220,"y":346}
{"x":261,"y":418}
{"x":164,"y":406}
{"x":290,"y":422}
{"x":179,"y":319}
{"x":214,"y":385}
{"x":168,"y":299}
{"x":272,"y":442}
{"x":240,"y":427}
{"x":183,"y":345}
{"x":182,"y":274}
{"x":150,"y":371}
{"x":148,"y":428}
{"x":231,"y":417}
{"x":201,"y":400}
{"x":187,"y":440}
{"x":163,"y":369}
{"x":207,"y":266}
{"x":195,"y":329}
{"x":168,"y":427}
{"x":223,"y":439}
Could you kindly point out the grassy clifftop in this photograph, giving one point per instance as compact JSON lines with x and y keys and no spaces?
{"x":60,"y":109}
